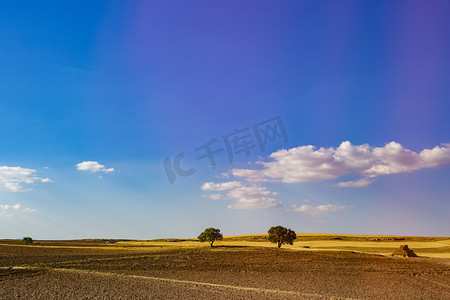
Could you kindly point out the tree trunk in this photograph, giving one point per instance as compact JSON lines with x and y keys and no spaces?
{"x":279,"y":245}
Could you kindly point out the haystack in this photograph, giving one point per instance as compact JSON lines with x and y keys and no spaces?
{"x":404,"y":251}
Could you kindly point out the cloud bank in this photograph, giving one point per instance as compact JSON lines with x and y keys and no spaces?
{"x":248,"y":195}
{"x":311,"y":164}
{"x":93,"y":167}
{"x":12,"y":178}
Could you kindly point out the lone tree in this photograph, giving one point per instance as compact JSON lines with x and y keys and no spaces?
{"x":281,"y":235}
{"x":27,"y":240}
{"x":210,"y":235}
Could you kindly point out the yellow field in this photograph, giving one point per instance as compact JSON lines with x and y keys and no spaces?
{"x":381,"y":245}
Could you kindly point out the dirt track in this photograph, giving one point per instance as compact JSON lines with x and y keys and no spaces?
{"x":70,"y":284}
{"x":233,"y":273}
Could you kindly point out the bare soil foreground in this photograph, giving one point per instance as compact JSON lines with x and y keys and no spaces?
{"x":89,"y":270}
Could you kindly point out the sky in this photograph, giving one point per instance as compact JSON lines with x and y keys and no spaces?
{"x":158,"y":119}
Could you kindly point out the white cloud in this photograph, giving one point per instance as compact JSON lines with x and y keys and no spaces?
{"x":250,"y":175}
{"x":315,"y":210}
{"x":244,"y":196}
{"x":436,"y":157}
{"x":211,"y":186}
{"x":12,"y":178}
{"x":355,"y":183}
{"x":252,"y":197}
{"x":9,"y":210}
{"x":308,"y":164}
{"x":93,"y":166}
{"x":213,"y":196}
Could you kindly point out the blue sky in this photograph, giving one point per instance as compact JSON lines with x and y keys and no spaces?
{"x":96,"y":95}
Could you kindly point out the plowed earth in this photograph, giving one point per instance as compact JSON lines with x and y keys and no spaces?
{"x":29,"y":272}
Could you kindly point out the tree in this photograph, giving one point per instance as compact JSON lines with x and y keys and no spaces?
{"x":281,"y":235}
{"x":210,"y":235}
{"x":27,"y":240}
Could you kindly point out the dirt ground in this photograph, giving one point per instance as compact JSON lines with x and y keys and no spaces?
{"x":40,"y":272}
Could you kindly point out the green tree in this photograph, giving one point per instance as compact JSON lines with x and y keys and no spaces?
{"x":27,"y":240}
{"x":281,"y":235}
{"x":210,"y":235}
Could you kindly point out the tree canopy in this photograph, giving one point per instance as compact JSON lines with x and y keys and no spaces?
{"x":210,"y":235}
{"x":27,"y":240}
{"x":281,"y":235}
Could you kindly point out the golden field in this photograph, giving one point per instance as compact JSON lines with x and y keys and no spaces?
{"x":372,"y":244}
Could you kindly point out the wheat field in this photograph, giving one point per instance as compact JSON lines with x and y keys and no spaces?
{"x":438,"y":247}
